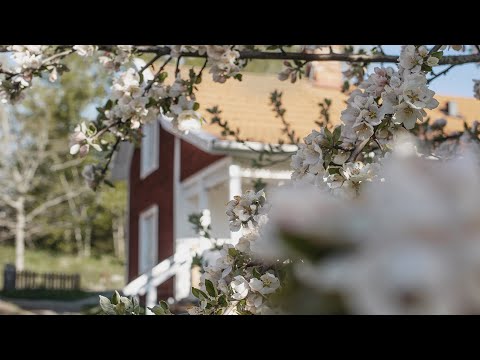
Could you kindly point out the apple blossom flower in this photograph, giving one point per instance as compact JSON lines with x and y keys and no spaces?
{"x":267,"y":284}
{"x":85,"y":50}
{"x":240,"y":287}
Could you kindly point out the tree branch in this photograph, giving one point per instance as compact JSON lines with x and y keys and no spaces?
{"x":66,"y":165}
{"x":355,"y":58}
{"x":8,"y":200}
{"x":53,"y":202}
{"x":155,"y":58}
{"x":444,"y":72}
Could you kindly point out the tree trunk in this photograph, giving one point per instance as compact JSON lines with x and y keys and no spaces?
{"x":78,"y":239}
{"x":115,"y":236}
{"x":118,"y":234}
{"x":20,"y":235}
{"x":88,"y":241}
{"x":121,"y":239}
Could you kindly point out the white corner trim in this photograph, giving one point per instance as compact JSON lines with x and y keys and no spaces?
{"x":220,"y":165}
{"x":150,"y":211}
{"x":127,"y":217}
{"x":145,"y":171}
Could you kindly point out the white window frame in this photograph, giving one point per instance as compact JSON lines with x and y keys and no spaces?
{"x":144,"y":215}
{"x":152,"y":129}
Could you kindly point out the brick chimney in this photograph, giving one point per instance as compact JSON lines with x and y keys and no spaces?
{"x":327,"y":74}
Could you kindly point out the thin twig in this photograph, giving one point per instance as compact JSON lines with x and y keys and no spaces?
{"x":110,"y":155}
{"x":177,"y":66}
{"x":150,"y":63}
{"x":149,"y":85}
{"x":444,"y":72}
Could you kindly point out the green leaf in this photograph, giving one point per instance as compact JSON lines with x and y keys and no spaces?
{"x":96,"y":146}
{"x":256,"y":274}
{"x":437,"y":54}
{"x":109,"y":105}
{"x":222,"y":300}
{"x":162,"y":76}
{"x":198,"y":80}
{"x":164,"y":305}
{"x":333,"y":170}
{"x":157,"y":310}
{"x":232,"y":252}
{"x":199,"y":294}
{"x":109,"y":183}
{"x":210,"y":288}
{"x":136,"y":305}
{"x":238,"y":77}
{"x":327,"y":133}
{"x":115,"y":298}
{"x":121,"y":308}
{"x":336,"y":134}
{"x":107,"y":306}
{"x":196,"y":106}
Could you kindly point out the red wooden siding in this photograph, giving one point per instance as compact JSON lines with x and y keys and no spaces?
{"x":156,"y":188}
{"x":193,"y":159}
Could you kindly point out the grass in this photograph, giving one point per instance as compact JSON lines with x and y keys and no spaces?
{"x":96,"y":273}
{"x":37,"y":294}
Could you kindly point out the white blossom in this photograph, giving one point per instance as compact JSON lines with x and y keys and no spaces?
{"x":240,"y":287}
{"x":248,"y":210}
{"x":267,"y":284}
{"x":85,"y":50}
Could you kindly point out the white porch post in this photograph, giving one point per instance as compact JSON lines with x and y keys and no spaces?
{"x":183,"y":276}
{"x":235,"y":188}
{"x":151,"y":298}
{"x":202,"y":195}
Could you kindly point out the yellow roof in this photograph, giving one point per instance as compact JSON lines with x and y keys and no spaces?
{"x":246,"y":105}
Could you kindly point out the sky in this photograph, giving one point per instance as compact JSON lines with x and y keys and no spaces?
{"x":457,"y":82}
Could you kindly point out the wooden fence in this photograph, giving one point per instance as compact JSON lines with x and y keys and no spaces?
{"x":16,"y":280}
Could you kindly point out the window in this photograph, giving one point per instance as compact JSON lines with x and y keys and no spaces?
{"x":149,"y":151}
{"x":148,"y":239}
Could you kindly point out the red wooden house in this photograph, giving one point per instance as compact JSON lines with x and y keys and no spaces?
{"x":172,"y":175}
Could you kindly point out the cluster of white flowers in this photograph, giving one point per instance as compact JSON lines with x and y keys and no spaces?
{"x":223,"y":59}
{"x":177,"y":50}
{"x":236,"y":280}
{"x":27,"y":56}
{"x":82,"y":139}
{"x":247,"y":210}
{"x":27,"y":59}
{"x":408,"y":245}
{"x":130,"y":101}
{"x":112,"y":61}
{"x":385,"y":104}
{"x":308,"y":160}
{"x":85,"y":50}
{"x":246,"y":292}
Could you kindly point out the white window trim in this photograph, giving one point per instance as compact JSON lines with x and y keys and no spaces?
{"x":145,"y":171}
{"x":151,"y":211}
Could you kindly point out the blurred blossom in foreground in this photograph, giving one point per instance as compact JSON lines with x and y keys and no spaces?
{"x":409,"y":244}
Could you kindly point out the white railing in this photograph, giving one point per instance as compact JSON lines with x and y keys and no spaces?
{"x":148,"y":282}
